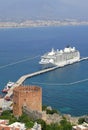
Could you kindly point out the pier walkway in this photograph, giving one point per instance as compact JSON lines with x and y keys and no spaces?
{"x":24,"y":77}
{"x":84,"y":58}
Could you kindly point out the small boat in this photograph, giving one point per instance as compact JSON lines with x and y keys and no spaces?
{"x":7,"y":87}
{"x":7,"y":98}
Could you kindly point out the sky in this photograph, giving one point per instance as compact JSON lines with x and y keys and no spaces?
{"x":44,"y":9}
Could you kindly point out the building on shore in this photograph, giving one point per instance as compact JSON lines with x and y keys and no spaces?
{"x":28,"y":96}
{"x":83,"y":126}
{"x":14,"y":126}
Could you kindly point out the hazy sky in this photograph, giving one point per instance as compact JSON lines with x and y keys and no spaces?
{"x":40,"y":9}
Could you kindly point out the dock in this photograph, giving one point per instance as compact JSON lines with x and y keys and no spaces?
{"x":24,"y":77}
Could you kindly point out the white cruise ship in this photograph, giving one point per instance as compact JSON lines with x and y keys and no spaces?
{"x":68,"y":55}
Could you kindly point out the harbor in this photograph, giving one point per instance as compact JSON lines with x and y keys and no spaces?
{"x":5,"y":102}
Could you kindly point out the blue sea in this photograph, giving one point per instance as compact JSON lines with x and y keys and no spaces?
{"x":20,"y":51}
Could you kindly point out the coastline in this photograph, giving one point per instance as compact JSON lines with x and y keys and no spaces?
{"x":41,"y":23}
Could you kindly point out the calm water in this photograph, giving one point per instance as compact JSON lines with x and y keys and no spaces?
{"x":18,"y":45}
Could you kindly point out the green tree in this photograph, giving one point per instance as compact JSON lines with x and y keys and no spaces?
{"x":25,"y":119}
{"x":65,"y":125}
{"x":42,"y":122}
{"x":51,"y":111}
{"x":8,"y":115}
{"x":81,"y":120}
{"x":29,"y":124}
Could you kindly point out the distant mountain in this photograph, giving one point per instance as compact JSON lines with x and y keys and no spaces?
{"x":43,"y":9}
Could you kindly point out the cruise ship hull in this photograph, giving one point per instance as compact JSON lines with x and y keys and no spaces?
{"x":48,"y":65}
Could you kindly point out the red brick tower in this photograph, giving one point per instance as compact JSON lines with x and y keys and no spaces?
{"x":30,"y":96}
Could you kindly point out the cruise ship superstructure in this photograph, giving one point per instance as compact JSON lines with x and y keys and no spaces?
{"x":68,"y":55}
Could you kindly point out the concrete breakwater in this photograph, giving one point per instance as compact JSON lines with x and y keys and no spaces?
{"x":24,"y":77}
